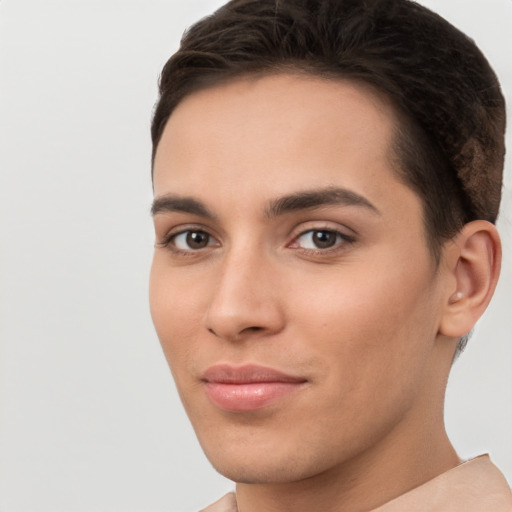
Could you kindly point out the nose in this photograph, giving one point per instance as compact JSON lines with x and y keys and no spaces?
{"x":245,"y":301}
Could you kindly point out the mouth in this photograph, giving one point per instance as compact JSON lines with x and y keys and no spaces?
{"x":249,"y":387}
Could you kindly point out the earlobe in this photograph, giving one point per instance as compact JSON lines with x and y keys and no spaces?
{"x":473,"y":261}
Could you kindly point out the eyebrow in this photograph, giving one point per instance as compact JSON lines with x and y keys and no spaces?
{"x":312,"y":199}
{"x":172,"y":203}
{"x":303,"y":200}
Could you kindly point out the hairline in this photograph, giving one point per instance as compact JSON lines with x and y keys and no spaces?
{"x":400,"y":120}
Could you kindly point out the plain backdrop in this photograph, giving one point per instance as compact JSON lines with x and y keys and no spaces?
{"x":90,"y":420}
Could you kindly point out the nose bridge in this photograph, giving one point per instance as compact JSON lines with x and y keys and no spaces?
{"x":244,"y":300}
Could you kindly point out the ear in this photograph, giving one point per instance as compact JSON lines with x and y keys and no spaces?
{"x":472,"y":262}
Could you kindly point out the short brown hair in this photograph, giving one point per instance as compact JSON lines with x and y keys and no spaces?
{"x":450,"y":142}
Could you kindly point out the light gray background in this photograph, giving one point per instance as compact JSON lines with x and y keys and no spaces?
{"x":90,"y":420}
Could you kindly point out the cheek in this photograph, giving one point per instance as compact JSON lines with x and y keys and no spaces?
{"x":371,"y":323}
{"x":175,"y":311}
{"x":367,"y":335}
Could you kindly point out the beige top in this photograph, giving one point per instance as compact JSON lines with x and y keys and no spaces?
{"x":475,"y":486}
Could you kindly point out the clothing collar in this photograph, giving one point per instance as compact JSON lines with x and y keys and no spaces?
{"x":474,"y":486}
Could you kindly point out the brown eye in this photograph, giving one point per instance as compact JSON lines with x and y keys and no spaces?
{"x":319,"y":239}
{"x":324,"y":239}
{"x":192,"y":240}
{"x":197,"y":239}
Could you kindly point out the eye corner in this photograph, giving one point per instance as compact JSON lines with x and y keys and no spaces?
{"x":188,"y":241}
{"x":321,"y":240}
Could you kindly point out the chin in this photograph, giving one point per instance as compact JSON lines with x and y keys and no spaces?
{"x":264,"y":470}
{"x":255,"y":461}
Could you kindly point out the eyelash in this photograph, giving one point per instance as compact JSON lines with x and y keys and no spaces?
{"x":342,"y":239}
{"x":169,"y":241}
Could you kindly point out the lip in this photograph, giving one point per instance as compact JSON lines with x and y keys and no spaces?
{"x":248,"y":387}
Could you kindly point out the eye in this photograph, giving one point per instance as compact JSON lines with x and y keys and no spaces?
{"x":320,"y":239}
{"x":192,"y":240}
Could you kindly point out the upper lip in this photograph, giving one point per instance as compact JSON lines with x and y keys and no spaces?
{"x":246,"y":374}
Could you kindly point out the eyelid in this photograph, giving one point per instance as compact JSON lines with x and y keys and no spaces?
{"x":166,"y":240}
{"x":347,"y":235}
{"x":322,"y":225}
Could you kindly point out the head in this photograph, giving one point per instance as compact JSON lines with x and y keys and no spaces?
{"x":290,"y":110}
{"x":449,"y":141}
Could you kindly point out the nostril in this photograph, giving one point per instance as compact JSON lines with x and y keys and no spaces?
{"x":236,"y":336}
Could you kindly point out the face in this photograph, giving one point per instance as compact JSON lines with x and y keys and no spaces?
{"x":292,"y":288}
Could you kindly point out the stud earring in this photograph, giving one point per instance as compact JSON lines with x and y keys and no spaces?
{"x":456,"y":297}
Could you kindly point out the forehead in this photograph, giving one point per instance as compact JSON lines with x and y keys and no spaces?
{"x":258,"y":137}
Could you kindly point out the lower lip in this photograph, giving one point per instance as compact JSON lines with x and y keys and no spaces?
{"x":250,"y":396}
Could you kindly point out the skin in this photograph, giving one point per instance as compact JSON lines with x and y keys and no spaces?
{"x":360,"y":321}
